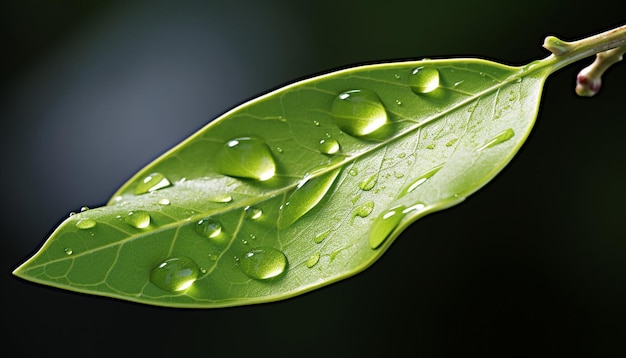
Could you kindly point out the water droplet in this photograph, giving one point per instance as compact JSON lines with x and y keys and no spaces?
{"x":175,"y":274}
{"x":85,"y":223}
{"x":316,"y":123}
{"x":369,"y":183}
{"x":328,"y":146}
{"x":384,"y":224}
{"x":263,"y":263}
{"x":313,"y":260}
{"x":279,"y":149}
{"x":152,"y":182}
{"x":353,"y":172}
{"x":253,"y":212}
{"x":223,"y":198}
{"x":359,"y":112}
{"x":424,"y":79}
{"x":365,"y":209}
{"x":68,"y":251}
{"x":430,"y":146}
{"x":209,"y":228}
{"x":421,"y":180}
{"x":308,"y":194}
{"x":321,"y":237}
{"x":398,"y":102}
{"x":139,"y":219}
{"x":451,"y":142}
{"x":501,"y":137}
{"x":164,"y":202}
{"x":84,"y":208}
{"x":245,"y":157}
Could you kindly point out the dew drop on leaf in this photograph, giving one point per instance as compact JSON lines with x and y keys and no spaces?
{"x":321,"y":237}
{"x":359,"y":112}
{"x":263,"y":263}
{"x":152,"y":182}
{"x":164,"y":202}
{"x":253,"y":212}
{"x":313,"y":260}
{"x":421,"y":180}
{"x":245,"y":157}
{"x":208,"y":228}
{"x":369,"y":183}
{"x":384,"y":224}
{"x":500,"y":138}
{"x":68,"y":251}
{"x":175,"y":274}
{"x":304,"y":198}
{"x":424,"y":80}
{"x":365,"y":209}
{"x":138,"y":219}
{"x":328,"y":146}
{"x":85,"y":223}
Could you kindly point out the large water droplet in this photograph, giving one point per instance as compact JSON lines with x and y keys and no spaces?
{"x":359,"y":112}
{"x":152,"y":182}
{"x":501,"y":137}
{"x":175,"y":274}
{"x":384,"y":224}
{"x":209,"y":228}
{"x":328,"y":146}
{"x":424,"y":79}
{"x":246,"y":157}
{"x":139,"y":219}
{"x":421,"y":180}
{"x":308,"y":194}
{"x":263,"y":263}
{"x":85,"y":223}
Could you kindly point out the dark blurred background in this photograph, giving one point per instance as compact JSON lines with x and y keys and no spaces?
{"x":534,"y":263}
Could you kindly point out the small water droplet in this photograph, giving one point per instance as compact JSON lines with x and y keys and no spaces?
{"x":306,"y":196}
{"x":328,"y":146}
{"x":321,"y":237}
{"x":209,"y":228}
{"x":164,"y":202}
{"x":85,"y":223}
{"x":397,"y":76}
{"x":279,"y":149}
{"x":451,"y":142}
{"x":359,"y":112}
{"x":421,"y":180}
{"x":500,"y":138}
{"x":353,"y":172}
{"x":316,"y":123}
{"x":430,"y":146}
{"x":84,"y":208}
{"x":369,"y":183}
{"x":221,"y":198}
{"x":313,"y":260}
{"x":384,"y":224}
{"x":253,"y":212}
{"x":152,"y":182}
{"x":245,"y":157}
{"x":263,"y":263}
{"x":424,"y":79}
{"x":398,"y":102}
{"x":175,"y":274}
{"x":68,"y":251}
{"x":365,"y":209}
{"x":139,"y":219}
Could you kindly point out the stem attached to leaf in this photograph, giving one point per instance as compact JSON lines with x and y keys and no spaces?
{"x":608,"y":47}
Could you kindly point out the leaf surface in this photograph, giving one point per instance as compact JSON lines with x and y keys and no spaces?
{"x":298,"y":188}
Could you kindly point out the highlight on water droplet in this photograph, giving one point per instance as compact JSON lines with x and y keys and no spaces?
{"x":305,"y":197}
{"x":139,"y":219}
{"x":359,"y":112}
{"x":328,"y":146}
{"x":175,"y":274}
{"x":424,"y":79}
{"x":313,"y":260}
{"x":209,"y":228}
{"x":421,"y":180}
{"x":500,"y":138}
{"x":68,"y":251}
{"x":245,"y":157}
{"x":263,"y":263}
{"x":85,"y":223}
{"x":152,"y":182}
{"x":384,"y":224}
{"x":164,"y":202}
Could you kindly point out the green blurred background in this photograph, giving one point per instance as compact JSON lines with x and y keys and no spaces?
{"x":534,"y":263}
